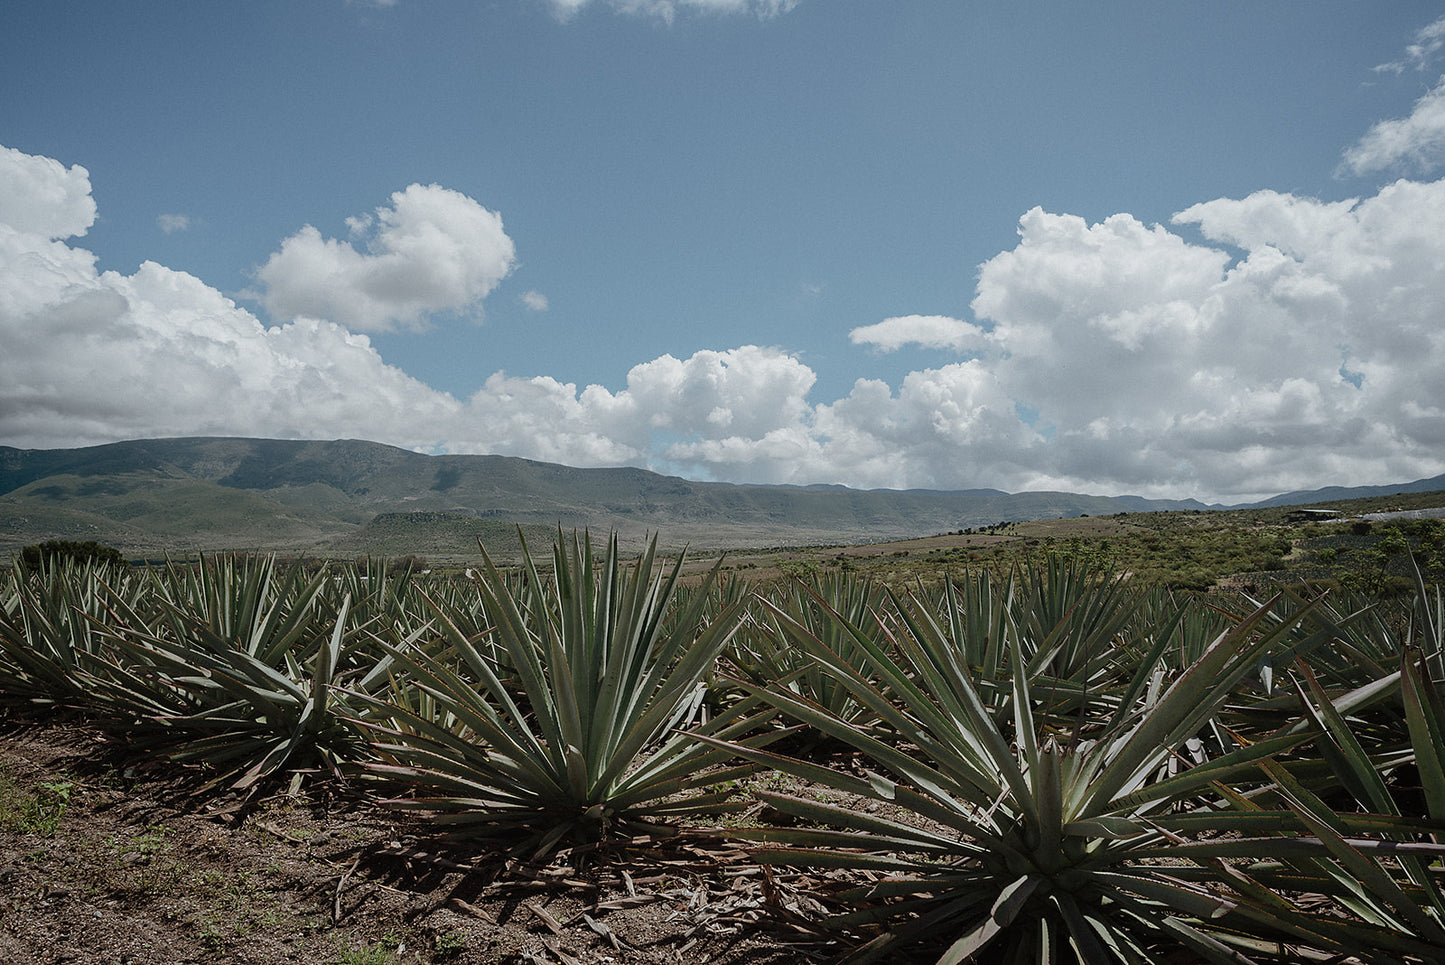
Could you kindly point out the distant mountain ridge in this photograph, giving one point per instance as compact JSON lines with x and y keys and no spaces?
{"x":1336,"y":493}
{"x":346,"y":496}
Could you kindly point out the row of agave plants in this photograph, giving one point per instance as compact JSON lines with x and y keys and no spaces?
{"x":1067,"y":766}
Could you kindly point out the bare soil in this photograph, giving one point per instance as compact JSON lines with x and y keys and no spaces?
{"x":105,"y":861}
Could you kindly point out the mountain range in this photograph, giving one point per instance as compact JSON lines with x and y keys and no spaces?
{"x":350,"y":497}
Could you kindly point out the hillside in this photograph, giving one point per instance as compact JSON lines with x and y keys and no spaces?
{"x":351,"y":497}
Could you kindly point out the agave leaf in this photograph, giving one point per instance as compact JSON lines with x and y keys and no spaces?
{"x":931,"y":781}
{"x":971,"y":760}
{"x":1202,"y":943}
{"x":1425,"y":714}
{"x":1183,"y":708}
{"x":864,"y":827}
{"x":1376,"y":881}
{"x":1011,"y":901}
{"x":608,"y":672}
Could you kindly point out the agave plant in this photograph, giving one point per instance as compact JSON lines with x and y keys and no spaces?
{"x":1022,"y":841}
{"x":1359,"y":666}
{"x":1071,"y":615}
{"x":1067,"y":653}
{"x":237,"y":667}
{"x":52,"y":650}
{"x":383,"y":600}
{"x":44,"y":636}
{"x":835,"y":607}
{"x":590,"y":745}
{"x":1379,"y":864}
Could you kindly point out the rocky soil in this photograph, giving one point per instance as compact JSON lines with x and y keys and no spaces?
{"x":105,"y":861}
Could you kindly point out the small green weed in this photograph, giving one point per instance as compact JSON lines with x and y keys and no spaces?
{"x":374,"y":955}
{"x":450,"y":945}
{"x":210,"y":934}
{"x":152,"y":842}
{"x":36,"y":811}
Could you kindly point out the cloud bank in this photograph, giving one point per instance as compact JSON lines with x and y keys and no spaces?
{"x":1293,"y":344}
{"x":98,"y":356}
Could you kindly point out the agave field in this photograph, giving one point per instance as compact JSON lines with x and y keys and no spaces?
{"x":1050,"y":764}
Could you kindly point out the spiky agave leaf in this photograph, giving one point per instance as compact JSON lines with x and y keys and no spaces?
{"x":245,"y":669}
{"x":835,"y":607}
{"x":1047,"y":849}
{"x":588,"y":747}
{"x":51,"y":650}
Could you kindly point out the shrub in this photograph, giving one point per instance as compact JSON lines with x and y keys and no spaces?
{"x":410,"y":563}
{"x":37,"y":555}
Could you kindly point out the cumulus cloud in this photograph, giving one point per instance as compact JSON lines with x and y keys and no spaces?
{"x":534,"y":301}
{"x":432,"y":250}
{"x":1416,"y":142}
{"x":39,"y":195}
{"x":1150,"y":359}
{"x":1120,"y":354}
{"x":1292,"y":344}
{"x":95,"y":356}
{"x":668,"y":10}
{"x":745,"y":392}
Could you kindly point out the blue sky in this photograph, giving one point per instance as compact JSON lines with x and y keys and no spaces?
{"x":1183,"y":250}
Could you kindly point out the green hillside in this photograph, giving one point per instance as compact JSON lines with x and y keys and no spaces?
{"x":345,"y":497}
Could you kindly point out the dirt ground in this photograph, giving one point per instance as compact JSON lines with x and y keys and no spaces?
{"x":102,"y":861}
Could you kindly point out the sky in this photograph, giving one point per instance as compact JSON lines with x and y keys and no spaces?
{"x":1173,"y":250}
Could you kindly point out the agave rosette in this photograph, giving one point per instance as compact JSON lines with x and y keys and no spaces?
{"x":237,"y":667}
{"x":1047,"y":847}
{"x":589,"y":746}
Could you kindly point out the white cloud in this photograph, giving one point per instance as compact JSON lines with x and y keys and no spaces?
{"x":1296,"y":346}
{"x":673,"y":413}
{"x":1416,"y":142}
{"x":667,"y":10}
{"x":98,"y":357}
{"x":171,"y":223}
{"x":745,"y":392}
{"x":93,"y":357}
{"x":534,"y":301}
{"x":541,"y":418}
{"x":433,"y":250}
{"x":39,"y":195}
{"x":1122,"y":357}
{"x":952,"y":427}
{"x":1152,"y":359}
{"x":1429,"y":40}
{"x":929,"y":331}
